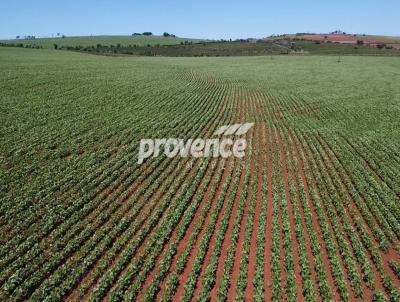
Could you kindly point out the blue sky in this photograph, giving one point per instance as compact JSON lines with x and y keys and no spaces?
{"x":197,"y":19}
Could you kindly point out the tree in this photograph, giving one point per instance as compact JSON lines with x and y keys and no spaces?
{"x":55,"y":46}
{"x":17,"y":37}
{"x":165,"y":34}
{"x":147,"y":33}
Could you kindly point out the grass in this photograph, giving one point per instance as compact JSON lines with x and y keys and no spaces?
{"x":103,"y":40}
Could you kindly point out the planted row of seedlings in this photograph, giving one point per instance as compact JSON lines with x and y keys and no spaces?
{"x":95,"y":183}
{"x":138,"y":285}
{"x":255,"y":272}
{"x":358,"y":246}
{"x":190,"y":281}
{"x":43,"y":201}
{"x":288,"y":243}
{"x":329,"y":197}
{"x":306,"y":262}
{"x":365,"y":215}
{"x":122,"y":267}
{"x":184,"y":258}
{"x":376,"y":257}
{"x":173,"y":258}
{"x":368,"y":186}
{"x":238,"y":279}
{"x":386,"y":173}
{"x":311,"y":223}
{"x":292,"y":267}
{"x":359,"y":148}
{"x":342,"y":245}
{"x":228,"y":233}
{"x":306,"y":127}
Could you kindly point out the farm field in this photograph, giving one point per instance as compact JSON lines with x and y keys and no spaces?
{"x":311,"y":213}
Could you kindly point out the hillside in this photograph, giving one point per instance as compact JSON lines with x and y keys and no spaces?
{"x":373,"y":41}
{"x":103,"y":40}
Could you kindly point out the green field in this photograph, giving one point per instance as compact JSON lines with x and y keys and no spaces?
{"x":103,"y":40}
{"x":311,"y":213}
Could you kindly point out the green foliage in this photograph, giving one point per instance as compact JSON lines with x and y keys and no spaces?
{"x":80,"y":217}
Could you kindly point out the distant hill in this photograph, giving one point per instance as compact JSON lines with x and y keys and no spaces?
{"x":351,"y":39}
{"x":103,"y":40}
